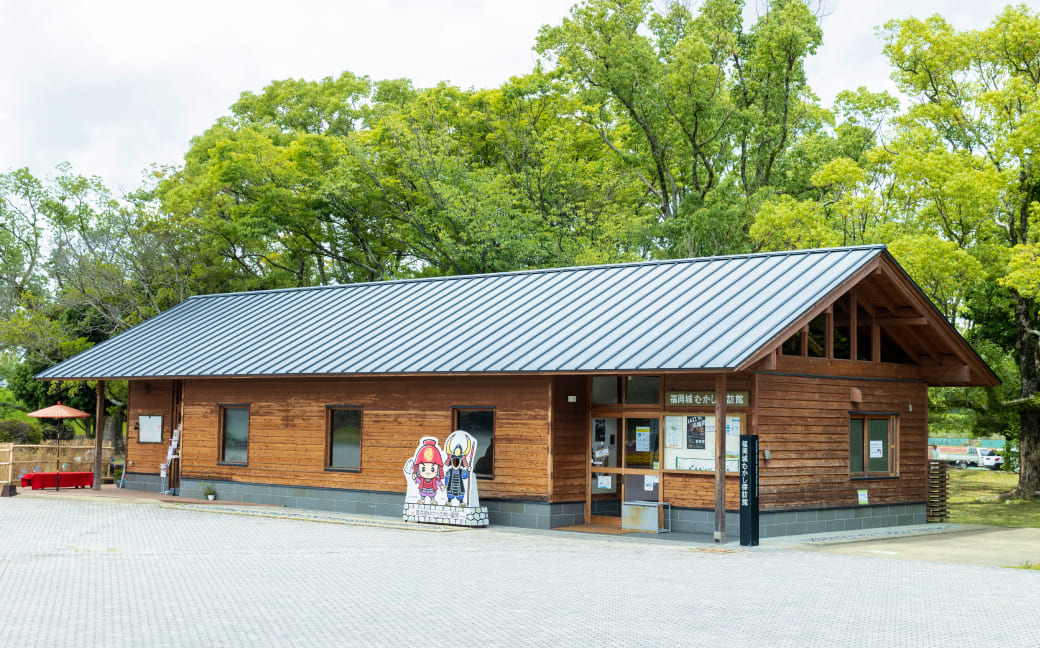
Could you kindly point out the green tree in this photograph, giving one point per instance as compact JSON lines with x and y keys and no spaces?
{"x":347,"y":180}
{"x":21,"y":232}
{"x":970,"y":162}
{"x":704,"y":111}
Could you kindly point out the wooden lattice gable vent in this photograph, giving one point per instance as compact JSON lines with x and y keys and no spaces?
{"x":888,"y":320}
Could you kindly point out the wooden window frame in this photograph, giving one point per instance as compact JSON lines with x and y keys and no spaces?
{"x":328,"y":437}
{"x":893,"y":444}
{"x":623,"y":403}
{"x":222,"y":409}
{"x":455,"y":410}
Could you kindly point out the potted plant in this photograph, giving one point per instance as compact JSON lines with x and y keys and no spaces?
{"x":209,"y":491}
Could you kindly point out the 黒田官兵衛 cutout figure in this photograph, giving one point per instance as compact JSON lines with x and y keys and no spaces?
{"x":459,"y":485}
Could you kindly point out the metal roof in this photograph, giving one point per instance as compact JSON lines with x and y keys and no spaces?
{"x":690,"y":314}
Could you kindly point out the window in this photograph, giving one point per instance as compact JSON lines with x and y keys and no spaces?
{"x":871,"y":445}
{"x":642,"y":443}
{"x":606,"y":390}
{"x":643,"y":390}
{"x":343,"y":437}
{"x":638,"y":390}
{"x":480,"y":423}
{"x":234,"y":433}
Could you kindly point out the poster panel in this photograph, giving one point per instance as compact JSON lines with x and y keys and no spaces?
{"x":690,"y":442}
{"x":149,"y":429}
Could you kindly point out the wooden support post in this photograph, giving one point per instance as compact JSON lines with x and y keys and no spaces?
{"x":720,"y":457}
{"x":99,"y":433}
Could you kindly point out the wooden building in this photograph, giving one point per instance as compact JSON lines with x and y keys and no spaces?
{"x":586,"y":387}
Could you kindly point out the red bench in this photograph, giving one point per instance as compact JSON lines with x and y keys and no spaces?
{"x":38,"y":480}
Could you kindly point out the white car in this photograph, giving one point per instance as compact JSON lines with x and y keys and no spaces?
{"x":990,"y":459}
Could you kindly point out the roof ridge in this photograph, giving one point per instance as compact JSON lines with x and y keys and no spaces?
{"x":536,"y":271}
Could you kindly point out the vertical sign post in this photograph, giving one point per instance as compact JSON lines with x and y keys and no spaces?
{"x":749,"y":490}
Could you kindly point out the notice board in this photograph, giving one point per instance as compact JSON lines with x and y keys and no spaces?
{"x":689,"y":441}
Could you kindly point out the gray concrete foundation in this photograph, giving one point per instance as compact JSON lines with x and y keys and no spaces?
{"x":540,"y":515}
{"x":143,"y":481}
{"x":855,"y":518}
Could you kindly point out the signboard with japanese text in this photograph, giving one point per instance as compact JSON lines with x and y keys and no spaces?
{"x":706,"y":398}
{"x":749,"y":490}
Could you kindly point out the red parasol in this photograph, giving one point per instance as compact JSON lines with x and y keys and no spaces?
{"x":58,"y":411}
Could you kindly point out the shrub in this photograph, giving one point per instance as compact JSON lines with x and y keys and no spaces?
{"x":19,"y":432}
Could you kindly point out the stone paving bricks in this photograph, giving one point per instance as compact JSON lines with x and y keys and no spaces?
{"x":112,"y":572}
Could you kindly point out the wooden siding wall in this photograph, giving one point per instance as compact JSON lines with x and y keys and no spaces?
{"x":570,"y":424}
{"x":804,"y":423}
{"x":149,"y":398}
{"x":287,"y":429}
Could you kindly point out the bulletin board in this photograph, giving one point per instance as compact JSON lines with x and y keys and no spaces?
{"x":149,"y":429}
{"x":689,"y":442}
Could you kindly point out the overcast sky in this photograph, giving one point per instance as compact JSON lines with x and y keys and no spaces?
{"x":113,"y":86}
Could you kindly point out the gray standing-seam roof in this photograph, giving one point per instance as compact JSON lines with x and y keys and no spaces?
{"x":690,"y":314}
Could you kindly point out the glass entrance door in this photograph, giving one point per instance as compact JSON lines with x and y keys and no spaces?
{"x":605,"y":487}
{"x":624,"y":464}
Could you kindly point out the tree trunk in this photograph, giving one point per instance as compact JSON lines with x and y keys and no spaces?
{"x":113,"y":431}
{"x":1028,"y":347}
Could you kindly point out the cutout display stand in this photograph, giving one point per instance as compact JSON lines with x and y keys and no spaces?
{"x":442,"y":487}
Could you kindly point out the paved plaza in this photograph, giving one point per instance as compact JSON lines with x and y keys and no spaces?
{"x":86,"y":572}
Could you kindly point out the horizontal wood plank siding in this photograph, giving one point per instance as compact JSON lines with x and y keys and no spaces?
{"x":803,"y":420}
{"x":569,"y":438}
{"x":697,"y":490}
{"x":804,"y":423}
{"x":149,"y":398}
{"x":287,"y":429}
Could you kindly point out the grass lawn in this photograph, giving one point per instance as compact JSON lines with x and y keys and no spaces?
{"x":974,"y":498}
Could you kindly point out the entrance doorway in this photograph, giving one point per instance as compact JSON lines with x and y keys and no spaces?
{"x":624,"y":464}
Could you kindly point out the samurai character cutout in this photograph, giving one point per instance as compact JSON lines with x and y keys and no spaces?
{"x":460,"y":448}
{"x":428,"y":469}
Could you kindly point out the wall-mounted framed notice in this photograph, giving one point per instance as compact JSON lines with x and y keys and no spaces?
{"x":689,"y":442}
{"x":149,"y":429}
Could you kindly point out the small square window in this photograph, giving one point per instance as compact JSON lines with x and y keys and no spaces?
{"x":643,"y":390}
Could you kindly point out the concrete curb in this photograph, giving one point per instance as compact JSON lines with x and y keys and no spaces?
{"x":312,"y":516}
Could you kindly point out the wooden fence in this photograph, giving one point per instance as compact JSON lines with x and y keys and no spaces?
{"x":16,"y":460}
{"x":938,"y":479}
{"x":5,"y":462}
